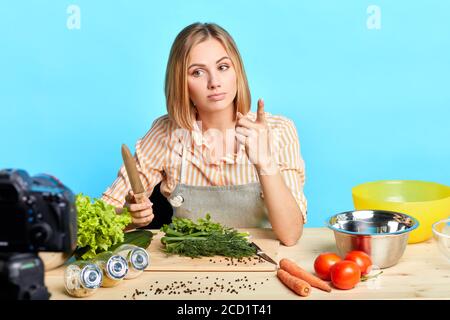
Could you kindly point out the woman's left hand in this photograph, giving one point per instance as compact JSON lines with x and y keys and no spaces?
{"x":256,"y":137}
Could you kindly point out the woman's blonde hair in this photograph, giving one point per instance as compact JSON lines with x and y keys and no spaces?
{"x":179,"y":106}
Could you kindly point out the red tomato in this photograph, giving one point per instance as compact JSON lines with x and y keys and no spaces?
{"x":362,"y":259}
{"x":323,"y":264}
{"x":345,"y":275}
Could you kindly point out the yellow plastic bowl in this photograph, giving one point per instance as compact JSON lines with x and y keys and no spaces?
{"x":428,"y":202}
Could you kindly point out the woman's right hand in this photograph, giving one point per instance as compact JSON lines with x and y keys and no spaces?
{"x":141,"y":213}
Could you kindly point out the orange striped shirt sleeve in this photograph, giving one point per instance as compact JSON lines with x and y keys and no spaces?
{"x":150,"y":156}
{"x":291,"y":164}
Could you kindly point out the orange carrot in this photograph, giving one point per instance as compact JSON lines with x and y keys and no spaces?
{"x":300,"y":287}
{"x":295,"y":270}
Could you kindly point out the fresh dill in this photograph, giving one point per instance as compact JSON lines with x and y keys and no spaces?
{"x":204,"y":238}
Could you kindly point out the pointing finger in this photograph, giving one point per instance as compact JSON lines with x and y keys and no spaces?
{"x":260,"y":116}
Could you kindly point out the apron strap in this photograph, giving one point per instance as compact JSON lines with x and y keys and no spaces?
{"x":176,"y":200}
{"x":183,"y":165}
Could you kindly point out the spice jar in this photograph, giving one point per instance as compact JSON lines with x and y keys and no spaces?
{"x":138,"y":259}
{"x":82,"y":278}
{"x":113,"y":266}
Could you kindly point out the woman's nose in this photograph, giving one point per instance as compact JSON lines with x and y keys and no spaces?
{"x":213,"y":82}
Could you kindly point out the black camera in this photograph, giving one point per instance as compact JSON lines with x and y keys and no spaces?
{"x":37,"y":214}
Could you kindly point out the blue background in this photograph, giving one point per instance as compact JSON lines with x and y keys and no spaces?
{"x":368,"y":104}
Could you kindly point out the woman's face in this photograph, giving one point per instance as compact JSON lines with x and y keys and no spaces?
{"x":211,"y":77}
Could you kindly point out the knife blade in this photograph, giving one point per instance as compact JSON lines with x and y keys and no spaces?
{"x":133,"y":175}
{"x":262,"y":254}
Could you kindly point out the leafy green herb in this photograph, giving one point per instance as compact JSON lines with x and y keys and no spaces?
{"x":204,"y":238}
{"x":99,"y":226}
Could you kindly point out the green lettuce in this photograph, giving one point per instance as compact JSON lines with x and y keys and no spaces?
{"x":99,"y":226}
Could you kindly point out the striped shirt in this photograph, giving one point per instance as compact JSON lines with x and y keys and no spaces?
{"x":158,"y":159}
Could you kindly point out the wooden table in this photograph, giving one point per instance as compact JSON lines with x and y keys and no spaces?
{"x":422,"y":273}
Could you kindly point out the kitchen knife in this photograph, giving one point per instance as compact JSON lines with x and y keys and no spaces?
{"x":133,"y":175}
{"x":261,"y":254}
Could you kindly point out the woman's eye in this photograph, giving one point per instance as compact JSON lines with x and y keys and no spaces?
{"x":197,"y":73}
{"x":224,"y":67}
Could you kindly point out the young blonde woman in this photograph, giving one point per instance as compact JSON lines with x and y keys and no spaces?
{"x":210,"y":152}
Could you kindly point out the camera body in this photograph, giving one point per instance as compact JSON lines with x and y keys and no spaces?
{"x":38,"y":213}
{"x":22,"y":277}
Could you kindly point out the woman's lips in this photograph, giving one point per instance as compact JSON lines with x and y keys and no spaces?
{"x":217,"y":97}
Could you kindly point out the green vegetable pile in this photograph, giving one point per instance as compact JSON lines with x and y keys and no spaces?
{"x":204,"y":238}
{"x":99,"y":226}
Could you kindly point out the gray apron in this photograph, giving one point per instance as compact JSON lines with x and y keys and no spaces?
{"x":234,"y":206}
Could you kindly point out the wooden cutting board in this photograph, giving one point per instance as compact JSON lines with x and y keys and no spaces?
{"x":264,"y":238}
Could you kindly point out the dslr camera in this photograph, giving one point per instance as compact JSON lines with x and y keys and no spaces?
{"x":37,"y":214}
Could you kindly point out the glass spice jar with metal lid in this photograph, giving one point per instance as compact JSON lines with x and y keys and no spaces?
{"x":138,"y":259}
{"x":82,"y":278}
{"x":113,"y":266}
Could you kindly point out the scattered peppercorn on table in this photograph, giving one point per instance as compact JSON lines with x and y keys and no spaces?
{"x":422,"y":273}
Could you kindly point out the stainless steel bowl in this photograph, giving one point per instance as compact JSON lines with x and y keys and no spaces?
{"x":383,"y":235}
